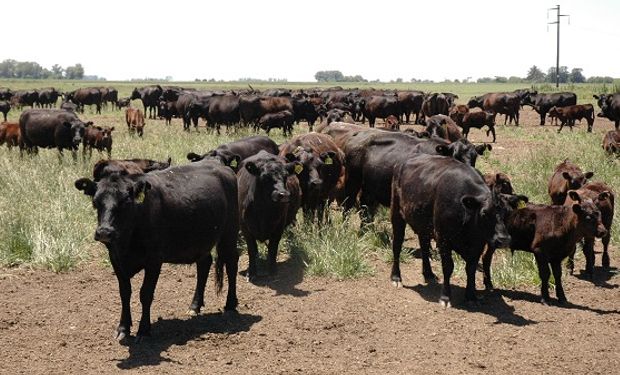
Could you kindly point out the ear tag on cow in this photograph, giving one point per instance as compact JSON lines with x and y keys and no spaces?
{"x":233,"y":163}
{"x":328,"y":161}
{"x":520,"y":204}
{"x":140,"y":197}
{"x":297,"y":151}
{"x":298,"y":168}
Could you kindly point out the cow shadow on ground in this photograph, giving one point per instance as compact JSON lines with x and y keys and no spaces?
{"x":169,"y":332}
{"x":601,"y":277}
{"x":535,"y":298}
{"x":491,"y":304}
{"x":290,"y":274}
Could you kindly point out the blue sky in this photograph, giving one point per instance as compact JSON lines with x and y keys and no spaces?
{"x":294,"y":39}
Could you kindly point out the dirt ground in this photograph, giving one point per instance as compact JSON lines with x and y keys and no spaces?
{"x":65,"y":323}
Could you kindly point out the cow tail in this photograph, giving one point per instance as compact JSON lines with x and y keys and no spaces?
{"x":219,"y":269}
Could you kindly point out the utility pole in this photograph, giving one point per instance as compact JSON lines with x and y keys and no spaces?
{"x":557,"y":58}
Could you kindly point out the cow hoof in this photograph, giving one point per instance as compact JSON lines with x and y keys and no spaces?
{"x":544,"y":301}
{"x":397,"y":284}
{"x":120,"y":336}
{"x":562,"y":301}
{"x":192,"y":312}
{"x":445,"y":302}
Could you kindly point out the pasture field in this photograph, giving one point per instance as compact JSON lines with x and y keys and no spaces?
{"x":331,"y":309}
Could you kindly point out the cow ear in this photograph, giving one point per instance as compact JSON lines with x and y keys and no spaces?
{"x":291,"y":157}
{"x":604,"y":196}
{"x":294,"y":167}
{"x":443,"y":150}
{"x":252,"y":168}
{"x":111,"y":129}
{"x":67,"y":124}
{"x":595,"y":96}
{"x":577,"y":209}
{"x":480,"y":149}
{"x":89,"y":123}
{"x":566,"y":175}
{"x":140,"y":190}
{"x":193,"y":157}
{"x":574,"y":195}
{"x":470,"y":202}
{"x":86,"y":185}
{"x":589,"y":175}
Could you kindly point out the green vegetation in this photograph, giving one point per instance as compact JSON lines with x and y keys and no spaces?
{"x":45,"y":222}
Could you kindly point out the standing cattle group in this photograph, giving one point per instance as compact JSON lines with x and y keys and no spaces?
{"x":150,"y":213}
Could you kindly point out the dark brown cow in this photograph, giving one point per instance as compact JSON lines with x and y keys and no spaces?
{"x":457,"y":112}
{"x":323,"y":164}
{"x":478,"y":119}
{"x":410,"y":102}
{"x":282,"y":119}
{"x":269,"y":198}
{"x":444,"y":127}
{"x":24,"y":98}
{"x":435,"y":104}
{"x":551,"y":233}
{"x":568,"y":115}
{"x":610,"y":107}
{"x":48,"y":97}
{"x":10,"y":133}
{"x":123,"y":102}
{"x":104,"y":168}
{"x":611,"y":142}
{"x":85,"y":96}
{"x":135,"y":120}
{"x":505,"y":103}
{"x":391,"y":123}
{"x":99,"y":138}
{"x":499,"y":183}
{"x":566,"y":176}
{"x":149,"y":95}
{"x":5,"y":107}
{"x":380,"y":107}
{"x":603,"y":196}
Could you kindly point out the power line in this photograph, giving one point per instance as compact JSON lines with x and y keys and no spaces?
{"x":557,"y":58}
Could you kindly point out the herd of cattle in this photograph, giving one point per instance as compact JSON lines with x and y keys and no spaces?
{"x":150,"y":212}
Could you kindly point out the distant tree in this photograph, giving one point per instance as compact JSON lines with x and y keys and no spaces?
{"x":399,"y":80}
{"x":500,"y":79}
{"x":329,"y":76}
{"x":563,"y":74}
{"x":598,"y":79}
{"x":57,"y":71}
{"x":484,"y":80}
{"x":7,"y":68}
{"x":74,"y":72}
{"x":535,"y":75}
{"x":576,"y":76}
{"x":515,"y":79}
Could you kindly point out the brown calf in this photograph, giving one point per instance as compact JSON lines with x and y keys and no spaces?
{"x":444,"y":127}
{"x":603,"y":196}
{"x":478,"y":120}
{"x":391,"y":123}
{"x":551,"y":233}
{"x":568,"y":115}
{"x":9,"y":133}
{"x":99,"y":138}
{"x":499,"y":183}
{"x":457,"y":112}
{"x":566,"y":176}
{"x":135,"y":120}
{"x":611,"y":142}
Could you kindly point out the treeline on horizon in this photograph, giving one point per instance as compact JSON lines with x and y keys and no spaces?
{"x":13,"y":69}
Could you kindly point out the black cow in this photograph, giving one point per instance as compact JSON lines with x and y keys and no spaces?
{"x":85,"y":96}
{"x":5,"y":107}
{"x":197,"y":206}
{"x":48,"y":97}
{"x":610,"y":107}
{"x":233,"y":152}
{"x":380,"y":107}
{"x":446,"y":200}
{"x":50,"y":128}
{"x":223,"y":110}
{"x":410,"y":102}
{"x":542,"y":103}
{"x":149,"y":95}
{"x":269,"y":198}
{"x":109,"y":95}
{"x":24,"y":98}
{"x":5,"y":93}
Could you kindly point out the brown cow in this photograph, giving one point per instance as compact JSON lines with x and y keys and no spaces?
{"x":499,"y":183}
{"x":551,"y":233}
{"x":457,"y":112}
{"x":99,"y":138}
{"x":135,"y":120}
{"x":478,"y":120}
{"x":505,"y":103}
{"x":568,"y":115}
{"x":105,"y":168}
{"x":391,"y":123}
{"x":611,"y":142}
{"x":9,"y":133}
{"x":604,"y":197}
{"x":282,"y":119}
{"x":444,"y":127}
{"x":566,"y":176}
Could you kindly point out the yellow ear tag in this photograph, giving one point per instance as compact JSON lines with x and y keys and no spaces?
{"x":298,"y":151}
{"x":233,"y":163}
{"x":140,"y":197}
{"x":328,"y":161}
{"x":521,"y":204}
{"x":298,"y":168}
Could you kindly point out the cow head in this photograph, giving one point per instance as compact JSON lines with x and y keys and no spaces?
{"x":589,"y":216}
{"x":576,"y":179}
{"x":118,"y":200}
{"x":310,"y":178}
{"x":488,"y":212}
{"x":502,"y":184}
{"x":77,"y":129}
{"x":225,"y":157}
{"x":272,"y":173}
{"x":463,"y":151}
{"x":529,"y":98}
{"x":135,"y":94}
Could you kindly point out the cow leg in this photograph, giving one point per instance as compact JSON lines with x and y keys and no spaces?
{"x":561,"y":126}
{"x":542,"y":119}
{"x":570,"y":261}
{"x":252,"y":255}
{"x":465,"y":132}
{"x":272,"y":252}
{"x":98,"y":108}
{"x":425,"y":246}
{"x":398,"y":235}
{"x":470,"y":269}
{"x":124,"y":287}
{"x":487,"y":259}
{"x":543,"y":273}
{"x":351,"y":189}
{"x":202,"y":274}
{"x":447,"y":265}
{"x":556,"y":267}
{"x":588,"y":251}
{"x":617,"y":124}
{"x":227,"y":252}
{"x":492,"y":130}
{"x":151,"y":275}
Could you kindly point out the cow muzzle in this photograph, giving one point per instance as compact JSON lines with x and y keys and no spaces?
{"x":501,"y":241}
{"x":280,"y":196}
{"x":601,"y":231}
{"x":105,"y":235}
